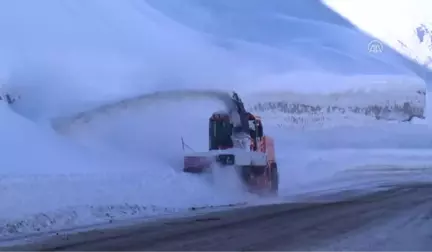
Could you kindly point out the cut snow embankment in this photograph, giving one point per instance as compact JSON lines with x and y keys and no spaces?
{"x":390,"y":99}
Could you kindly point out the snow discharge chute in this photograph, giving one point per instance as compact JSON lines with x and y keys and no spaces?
{"x":232,"y":102}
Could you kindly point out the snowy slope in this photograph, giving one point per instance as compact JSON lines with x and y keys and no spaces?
{"x":405,"y":27}
{"x":418,"y":44}
{"x":64,"y":57}
{"x":101,"y":42}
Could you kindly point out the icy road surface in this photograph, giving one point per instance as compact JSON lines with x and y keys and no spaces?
{"x":384,"y":220}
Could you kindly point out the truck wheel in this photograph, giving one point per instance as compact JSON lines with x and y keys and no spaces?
{"x":274,"y":178}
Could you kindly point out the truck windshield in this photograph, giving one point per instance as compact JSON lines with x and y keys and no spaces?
{"x":220,"y":134}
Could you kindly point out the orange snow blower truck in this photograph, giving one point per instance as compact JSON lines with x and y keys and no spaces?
{"x":256,"y":165}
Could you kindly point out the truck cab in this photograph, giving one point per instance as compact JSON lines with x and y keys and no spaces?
{"x":221,"y":128}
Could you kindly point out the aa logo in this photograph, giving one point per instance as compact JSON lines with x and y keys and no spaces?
{"x":375,"y":46}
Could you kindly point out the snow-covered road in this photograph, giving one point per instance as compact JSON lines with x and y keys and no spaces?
{"x":384,"y":220}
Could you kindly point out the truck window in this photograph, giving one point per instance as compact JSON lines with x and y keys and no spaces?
{"x":220,"y":134}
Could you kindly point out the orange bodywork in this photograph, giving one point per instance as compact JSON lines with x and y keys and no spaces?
{"x":268,"y":145}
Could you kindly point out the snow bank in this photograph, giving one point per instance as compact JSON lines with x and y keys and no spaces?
{"x":312,"y":110}
{"x":37,"y":204}
{"x":362,"y":134}
{"x":31,"y":149}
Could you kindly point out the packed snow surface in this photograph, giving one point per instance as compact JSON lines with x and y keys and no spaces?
{"x":64,"y":57}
